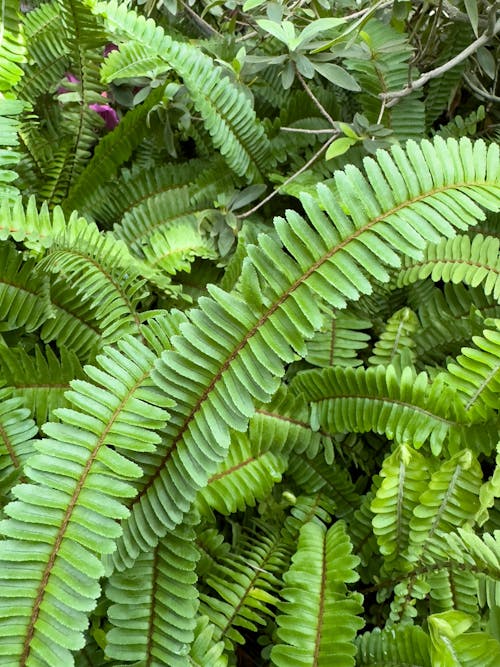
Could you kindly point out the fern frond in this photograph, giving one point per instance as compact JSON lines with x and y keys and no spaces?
{"x":10,"y":127}
{"x":450,"y":318}
{"x":16,"y":432}
{"x":47,"y":52}
{"x":41,"y":379}
{"x":205,"y":649}
{"x":338,"y":341}
{"x":155,"y":603}
{"x":224,"y":107}
{"x":12,"y":45}
{"x":24,"y":295}
{"x":234,"y":348}
{"x":476,"y":375}
{"x":404,"y":478}
{"x":461,"y":259}
{"x":243,"y":587}
{"x":450,"y":500}
{"x":453,"y":587}
{"x":114,"y":149}
{"x":403,"y":406}
{"x":246,"y":476}
{"x":316,"y":475}
{"x":397,"y":336}
{"x":65,"y":517}
{"x":316,"y":592}
{"x":407,"y":644}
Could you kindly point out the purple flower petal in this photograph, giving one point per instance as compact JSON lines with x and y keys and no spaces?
{"x":107,"y":113}
{"x":109,"y":47}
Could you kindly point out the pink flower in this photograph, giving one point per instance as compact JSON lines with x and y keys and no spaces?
{"x":107,"y":113}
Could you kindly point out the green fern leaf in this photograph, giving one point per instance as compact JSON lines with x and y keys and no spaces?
{"x":404,"y":476}
{"x":315,"y":592}
{"x":155,"y":603}
{"x":397,"y":336}
{"x":401,"y":645}
{"x":65,"y":517}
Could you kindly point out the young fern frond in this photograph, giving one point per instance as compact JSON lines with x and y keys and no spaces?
{"x":404,"y":478}
{"x":397,"y":336}
{"x":450,"y":500}
{"x":403,"y":645}
{"x":10,"y":127}
{"x":64,"y":518}
{"x":315,"y":591}
{"x":232,"y":351}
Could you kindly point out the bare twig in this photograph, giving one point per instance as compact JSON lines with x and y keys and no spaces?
{"x":314,"y":98}
{"x":481,"y":92}
{"x":273,"y":194}
{"x":304,"y":130}
{"x":392,"y":97}
{"x":205,"y":27}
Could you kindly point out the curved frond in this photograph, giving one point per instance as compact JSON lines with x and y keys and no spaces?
{"x":232,"y":352}
{"x":315,"y":591}
{"x":476,"y":375}
{"x":247,"y":475}
{"x":402,"y":405}
{"x":64,"y":518}
{"x":461,"y":259}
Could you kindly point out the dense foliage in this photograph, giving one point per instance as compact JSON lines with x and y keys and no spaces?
{"x":249,"y":333}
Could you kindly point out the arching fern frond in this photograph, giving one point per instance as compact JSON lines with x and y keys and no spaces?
{"x":246,"y":476}
{"x":64,"y":519}
{"x":461,"y":259}
{"x":225,"y":108}
{"x":234,"y":348}
{"x":315,"y":591}
{"x":403,"y":406}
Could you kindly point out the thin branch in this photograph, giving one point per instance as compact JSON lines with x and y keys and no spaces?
{"x":392,"y":97}
{"x":304,"y":130}
{"x":314,"y":98}
{"x":205,"y":27}
{"x":481,"y":92}
{"x":273,"y":194}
